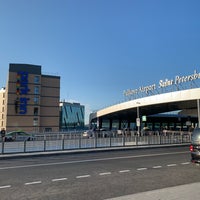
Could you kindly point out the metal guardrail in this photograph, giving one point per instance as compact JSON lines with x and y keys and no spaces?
{"x":58,"y":142}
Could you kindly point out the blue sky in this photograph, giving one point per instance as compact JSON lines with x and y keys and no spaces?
{"x":101,"y":47}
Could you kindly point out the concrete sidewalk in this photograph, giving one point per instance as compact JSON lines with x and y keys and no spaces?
{"x":87,"y":150}
{"x":182,"y":192}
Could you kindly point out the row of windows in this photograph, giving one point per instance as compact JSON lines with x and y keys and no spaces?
{"x":36,"y":92}
{"x":151,"y":125}
{"x":36,"y":98}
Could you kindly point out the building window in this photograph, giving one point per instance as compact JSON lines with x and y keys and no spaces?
{"x":35,"y":122}
{"x":35,"y":111}
{"x":36,"y":100}
{"x":48,"y":129}
{"x":36,"y":79}
{"x":36,"y":90}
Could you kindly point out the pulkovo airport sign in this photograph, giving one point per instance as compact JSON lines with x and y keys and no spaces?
{"x":177,"y":80}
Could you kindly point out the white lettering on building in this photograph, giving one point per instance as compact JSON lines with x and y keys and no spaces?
{"x":163,"y":84}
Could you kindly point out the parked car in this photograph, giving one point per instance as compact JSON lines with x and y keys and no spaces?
{"x":195,"y":146}
{"x":87,"y":134}
{"x":18,"y":136}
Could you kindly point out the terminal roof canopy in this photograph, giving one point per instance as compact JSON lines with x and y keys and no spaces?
{"x":184,"y":100}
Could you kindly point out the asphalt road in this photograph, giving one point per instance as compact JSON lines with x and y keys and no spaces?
{"x":97,"y":175}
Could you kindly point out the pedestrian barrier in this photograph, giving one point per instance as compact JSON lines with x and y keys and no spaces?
{"x":69,"y":141}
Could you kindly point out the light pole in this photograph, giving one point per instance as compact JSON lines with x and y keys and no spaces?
{"x":198,"y":111}
{"x":138,"y":119}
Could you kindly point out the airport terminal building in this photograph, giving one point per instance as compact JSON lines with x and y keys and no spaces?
{"x":171,"y":104}
{"x":30,"y":100}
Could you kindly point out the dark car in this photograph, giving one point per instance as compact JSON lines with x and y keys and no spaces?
{"x":195,"y":146}
{"x":18,"y":136}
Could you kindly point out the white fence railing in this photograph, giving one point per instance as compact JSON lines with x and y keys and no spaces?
{"x":58,"y":142}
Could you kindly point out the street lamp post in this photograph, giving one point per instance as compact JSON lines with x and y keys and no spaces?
{"x":138,"y":120}
{"x":198,"y":111}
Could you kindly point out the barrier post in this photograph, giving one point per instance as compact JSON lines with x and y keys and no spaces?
{"x":123,"y":139}
{"x":63,"y":142}
{"x":95,"y":137}
{"x":2,"y":146}
{"x":44,"y":142}
{"x":79,"y":143}
{"x":110,"y":141}
{"x":24,"y":146}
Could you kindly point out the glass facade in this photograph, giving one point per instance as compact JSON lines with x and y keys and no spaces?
{"x":72,"y":116}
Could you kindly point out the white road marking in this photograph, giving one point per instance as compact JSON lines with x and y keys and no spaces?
{"x":156,"y":167}
{"x":83,"y":176}
{"x":171,"y":165}
{"x":186,"y":163}
{"x":101,"y":174}
{"x":105,"y":173}
{"x":141,"y":169}
{"x":58,"y":179}
{"x":33,"y":183}
{"x":124,"y":171}
{"x":5,"y":186}
{"x":90,"y":160}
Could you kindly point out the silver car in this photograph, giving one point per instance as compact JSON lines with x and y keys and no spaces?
{"x":195,"y":146}
{"x":18,"y":136}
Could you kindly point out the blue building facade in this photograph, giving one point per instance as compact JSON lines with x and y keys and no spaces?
{"x":72,"y":116}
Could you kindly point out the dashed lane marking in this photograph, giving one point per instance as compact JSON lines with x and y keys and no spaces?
{"x":141,"y":169}
{"x":105,"y":173}
{"x":5,"y":186}
{"x":157,"y":167}
{"x":33,"y":183}
{"x":171,"y":165}
{"x":83,"y":176}
{"x":124,"y":171}
{"x":185,"y":163}
{"x":58,"y":179}
{"x":101,"y":174}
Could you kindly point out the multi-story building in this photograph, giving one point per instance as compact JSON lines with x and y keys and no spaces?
{"x":30,"y":101}
{"x":72,"y":116}
{"x":2,"y":107}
